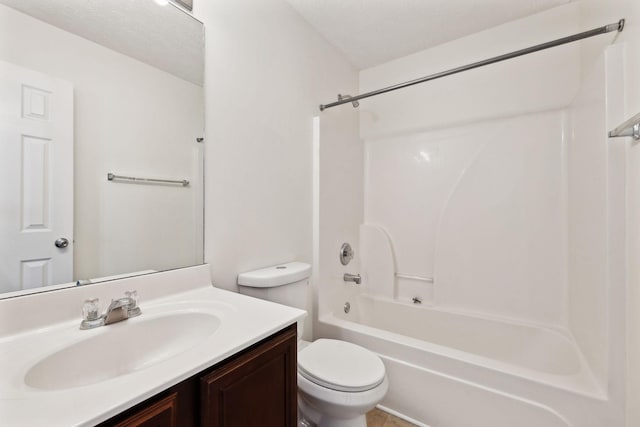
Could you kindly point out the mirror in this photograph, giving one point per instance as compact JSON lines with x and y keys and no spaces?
{"x":88,"y":89}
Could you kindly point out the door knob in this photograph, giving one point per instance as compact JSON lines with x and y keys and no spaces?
{"x":62,"y":243}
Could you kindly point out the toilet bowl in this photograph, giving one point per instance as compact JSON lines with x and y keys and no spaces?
{"x":318,"y":406}
{"x":338,"y":382}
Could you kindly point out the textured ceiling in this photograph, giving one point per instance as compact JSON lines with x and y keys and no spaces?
{"x":162,"y":36}
{"x":371,"y":32}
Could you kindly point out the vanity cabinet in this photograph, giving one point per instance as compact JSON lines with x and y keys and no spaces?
{"x":256,"y":387}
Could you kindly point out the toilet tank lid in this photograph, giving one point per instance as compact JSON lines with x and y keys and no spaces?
{"x":277,"y":275}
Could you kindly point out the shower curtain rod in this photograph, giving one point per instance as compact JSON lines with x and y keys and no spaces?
{"x":344,"y":99}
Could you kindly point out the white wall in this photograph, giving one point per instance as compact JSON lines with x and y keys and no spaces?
{"x":266,"y":73}
{"x":130,"y":118}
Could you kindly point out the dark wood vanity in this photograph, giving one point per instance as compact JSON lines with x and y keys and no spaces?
{"x":256,"y":387}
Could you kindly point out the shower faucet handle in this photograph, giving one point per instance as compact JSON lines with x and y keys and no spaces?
{"x":352,"y":278}
{"x":346,"y":253}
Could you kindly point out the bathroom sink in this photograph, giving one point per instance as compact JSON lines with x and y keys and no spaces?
{"x":121,"y":349}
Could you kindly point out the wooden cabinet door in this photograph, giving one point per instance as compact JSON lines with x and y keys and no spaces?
{"x":257,"y":389}
{"x":160,"y":414}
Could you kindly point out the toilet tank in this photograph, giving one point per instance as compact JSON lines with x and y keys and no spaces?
{"x":284,"y":284}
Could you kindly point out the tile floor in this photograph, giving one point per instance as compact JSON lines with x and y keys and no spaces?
{"x":378,"y":418}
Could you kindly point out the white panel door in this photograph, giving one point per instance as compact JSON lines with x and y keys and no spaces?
{"x":36,"y":179}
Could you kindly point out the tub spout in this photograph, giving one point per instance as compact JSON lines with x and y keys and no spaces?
{"x":352,"y":278}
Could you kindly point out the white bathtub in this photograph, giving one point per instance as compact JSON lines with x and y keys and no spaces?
{"x":449,"y":369}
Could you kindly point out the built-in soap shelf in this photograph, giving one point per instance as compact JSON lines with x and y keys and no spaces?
{"x":630,"y":127}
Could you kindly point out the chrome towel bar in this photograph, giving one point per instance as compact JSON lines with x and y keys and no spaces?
{"x":112,"y":177}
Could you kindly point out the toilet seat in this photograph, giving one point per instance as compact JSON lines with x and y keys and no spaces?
{"x":341,"y":366}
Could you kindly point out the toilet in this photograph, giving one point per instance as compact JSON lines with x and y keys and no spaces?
{"x":338,"y":382}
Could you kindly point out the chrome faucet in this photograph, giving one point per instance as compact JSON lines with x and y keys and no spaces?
{"x":352,"y":278}
{"x":122,"y":308}
{"x":119,"y":309}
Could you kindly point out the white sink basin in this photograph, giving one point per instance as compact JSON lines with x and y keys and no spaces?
{"x":120,"y":349}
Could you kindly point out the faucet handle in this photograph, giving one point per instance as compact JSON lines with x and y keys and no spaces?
{"x":91,"y":309}
{"x":133,"y":297}
{"x":133,"y":309}
{"x":91,"y":317}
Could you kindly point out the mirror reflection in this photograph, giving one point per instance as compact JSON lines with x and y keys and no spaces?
{"x":89,"y":89}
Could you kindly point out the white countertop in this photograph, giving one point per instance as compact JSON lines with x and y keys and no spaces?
{"x":243,"y":322}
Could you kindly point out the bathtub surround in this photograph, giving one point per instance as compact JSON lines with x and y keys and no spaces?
{"x":443,"y":176}
{"x":596,"y":208}
{"x":592,"y":10}
{"x":432,"y":160}
{"x":338,"y":205}
{"x":500,"y":185}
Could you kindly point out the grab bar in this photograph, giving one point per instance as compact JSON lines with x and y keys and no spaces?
{"x":412,"y":277}
{"x":629,"y":128}
{"x":183,"y":182}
